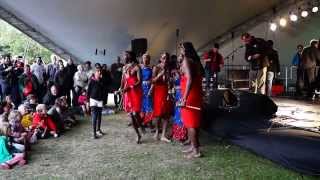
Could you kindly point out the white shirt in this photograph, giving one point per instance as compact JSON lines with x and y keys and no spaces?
{"x":80,"y":79}
{"x":38,"y":71}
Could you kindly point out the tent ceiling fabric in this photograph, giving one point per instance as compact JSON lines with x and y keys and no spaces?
{"x":81,"y":26}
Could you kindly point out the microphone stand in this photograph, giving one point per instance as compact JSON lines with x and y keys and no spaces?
{"x":229,"y":57}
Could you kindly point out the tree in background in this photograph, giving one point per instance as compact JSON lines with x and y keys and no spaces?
{"x":16,"y":43}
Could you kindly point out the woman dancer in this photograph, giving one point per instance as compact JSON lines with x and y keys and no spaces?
{"x":146,"y":72}
{"x":131,"y":87}
{"x":161,"y":110}
{"x":191,"y":101}
{"x":179,"y":132}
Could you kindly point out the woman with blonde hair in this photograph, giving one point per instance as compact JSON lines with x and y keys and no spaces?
{"x":8,"y":159}
{"x":43,"y":122}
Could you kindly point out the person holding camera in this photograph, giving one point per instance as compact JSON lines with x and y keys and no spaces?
{"x":256,"y":55}
{"x":9,"y":79}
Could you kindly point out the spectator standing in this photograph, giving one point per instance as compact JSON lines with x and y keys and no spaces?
{"x":106,"y":79}
{"x":70,"y":70}
{"x":213,"y":65}
{"x":256,"y":55}
{"x":38,"y":69}
{"x":297,"y":62}
{"x":51,"y":70}
{"x":310,"y":57}
{"x":28,"y":83}
{"x":80,"y":80}
{"x":273,"y":68}
{"x":116,"y":74}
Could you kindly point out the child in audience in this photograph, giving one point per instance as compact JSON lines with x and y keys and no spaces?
{"x":7,"y":158}
{"x":32,"y":101}
{"x":43,"y":122}
{"x":17,"y":131}
{"x":26,"y":115}
{"x":26,"y":122}
{"x":83,"y":102}
{"x":55,"y":113}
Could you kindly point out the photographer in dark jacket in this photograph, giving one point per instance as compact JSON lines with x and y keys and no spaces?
{"x":9,"y":79}
{"x":256,"y":55}
{"x":106,"y":79}
{"x":70,"y":70}
{"x":60,"y":79}
{"x":95,"y":96}
{"x":273,"y":68}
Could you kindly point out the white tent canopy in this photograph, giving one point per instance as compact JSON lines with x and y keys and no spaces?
{"x":81,"y":26}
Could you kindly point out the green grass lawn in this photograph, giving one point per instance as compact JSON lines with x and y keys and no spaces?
{"x":116,"y":156}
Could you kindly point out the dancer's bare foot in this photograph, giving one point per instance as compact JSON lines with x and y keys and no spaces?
{"x":164,"y":139}
{"x":156,"y":137}
{"x":193,"y":155}
{"x":188,"y":150}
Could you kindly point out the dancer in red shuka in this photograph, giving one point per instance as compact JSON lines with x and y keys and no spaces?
{"x":131,"y":87}
{"x":191,"y":101}
{"x":161,"y":105}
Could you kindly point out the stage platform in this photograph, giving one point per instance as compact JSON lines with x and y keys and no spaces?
{"x":298,"y":113}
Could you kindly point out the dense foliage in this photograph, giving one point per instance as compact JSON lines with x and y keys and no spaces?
{"x":16,"y":43}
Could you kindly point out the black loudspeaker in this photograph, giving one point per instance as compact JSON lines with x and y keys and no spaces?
{"x":251,"y":112}
{"x":139,"y":46}
{"x":249,"y":104}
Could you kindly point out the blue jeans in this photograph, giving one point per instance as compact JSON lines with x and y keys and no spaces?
{"x":96,"y":113}
{"x":208,"y":74}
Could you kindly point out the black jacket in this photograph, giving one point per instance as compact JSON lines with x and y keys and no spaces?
{"x":96,"y":89}
{"x":257,"y":46}
{"x":310,"y":57}
{"x":49,"y":99}
{"x":274,"y":64}
{"x":70,"y":70}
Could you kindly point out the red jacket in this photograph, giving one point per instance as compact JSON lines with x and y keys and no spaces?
{"x":47,"y":122}
{"x":216,"y":60}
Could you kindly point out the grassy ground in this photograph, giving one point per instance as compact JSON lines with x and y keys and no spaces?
{"x":115,"y":156}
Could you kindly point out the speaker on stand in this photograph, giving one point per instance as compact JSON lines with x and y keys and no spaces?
{"x":139,"y":46}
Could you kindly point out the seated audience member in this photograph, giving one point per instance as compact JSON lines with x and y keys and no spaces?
{"x":17,"y":132}
{"x":5,"y":108}
{"x":4,"y":119}
{"x":66,"y":112}
{"x":7,"y":156}
{"x":26,"y":122}
{"x":26,"y":115}
{"x":83,"y":102}
{"x":56,"y":112}
{"x":32,"y":102}
{"x":51,"y":96}
{"x":43,"y":123}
